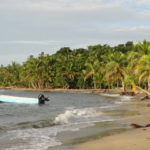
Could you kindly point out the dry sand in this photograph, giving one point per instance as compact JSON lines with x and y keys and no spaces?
{"x":136,"y":139}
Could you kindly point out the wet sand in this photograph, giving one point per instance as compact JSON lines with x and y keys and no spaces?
{"x":135,"y":139}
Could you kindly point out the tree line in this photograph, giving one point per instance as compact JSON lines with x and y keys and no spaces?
{"x":99,"y":66}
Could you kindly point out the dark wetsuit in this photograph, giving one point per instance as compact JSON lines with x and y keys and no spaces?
{"x":42,"y":99}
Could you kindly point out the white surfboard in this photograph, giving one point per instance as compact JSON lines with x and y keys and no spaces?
{"x":21,"y":100}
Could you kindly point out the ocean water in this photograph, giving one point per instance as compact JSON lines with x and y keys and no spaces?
{"x":64,"y":119}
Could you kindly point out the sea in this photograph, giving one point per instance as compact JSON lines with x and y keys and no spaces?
{"x":68,"y":119}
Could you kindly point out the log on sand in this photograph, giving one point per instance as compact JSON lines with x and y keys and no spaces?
{"x":139,"y":126}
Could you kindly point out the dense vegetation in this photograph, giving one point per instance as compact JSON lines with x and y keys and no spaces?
{"x":98,"y":66}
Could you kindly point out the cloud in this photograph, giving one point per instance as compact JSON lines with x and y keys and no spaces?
{"x":142,"y":2}
{"x":31,"y":26}
{"x":53,"y":4}
{"x":50,"y":42}
{"x":48,"y":5}
{"x":72,"y":11}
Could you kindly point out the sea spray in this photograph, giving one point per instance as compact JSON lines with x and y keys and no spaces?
{"x":76,"y":114}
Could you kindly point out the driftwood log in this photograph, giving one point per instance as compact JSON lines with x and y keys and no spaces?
{"x":139,"y":126}
{"x":146,"y":97}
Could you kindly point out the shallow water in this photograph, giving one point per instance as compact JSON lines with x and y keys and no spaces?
{"x":75,"y":115}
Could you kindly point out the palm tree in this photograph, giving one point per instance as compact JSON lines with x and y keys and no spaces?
{"x":143,"y":69}
{"x":143,"y":47}
{"x":10,"y":75}
{"x":34,"y":73}
{"x":92,"y":70}
{"x":115,"y":68}
{"x":131,"y":78}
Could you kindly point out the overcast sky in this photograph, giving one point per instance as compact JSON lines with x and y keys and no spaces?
{"x":29,"y":27}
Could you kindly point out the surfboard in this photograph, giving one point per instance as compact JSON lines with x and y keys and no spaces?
{"x":21,"y":100}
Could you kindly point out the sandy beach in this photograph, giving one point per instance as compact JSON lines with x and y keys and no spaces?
{"x":135,"y":139}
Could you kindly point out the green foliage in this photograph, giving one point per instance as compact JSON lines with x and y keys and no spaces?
{"x":98,"y":66}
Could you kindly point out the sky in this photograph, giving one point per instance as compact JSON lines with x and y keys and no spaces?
{"x":29,"y":27}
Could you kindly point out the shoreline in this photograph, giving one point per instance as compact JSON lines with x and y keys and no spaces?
{"x":107,"y":91}
{"x":64,"y":90}
{"x":138,"y":94}
{"x":138,"y":138}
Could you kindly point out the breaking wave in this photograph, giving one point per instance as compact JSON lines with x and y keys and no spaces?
{"x":124,"y":100}
{"x":76,"y":115}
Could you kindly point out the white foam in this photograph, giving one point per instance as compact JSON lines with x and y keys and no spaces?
{"x":70,"y":115}
{"x":110,"y":95}
{"x":37,"y":139}
{"x":122,"y":97}
{"x":108,"y":107}
{"x":126,"y":98}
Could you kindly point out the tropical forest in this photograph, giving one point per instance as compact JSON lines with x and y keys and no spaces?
{"x":95,"y":67}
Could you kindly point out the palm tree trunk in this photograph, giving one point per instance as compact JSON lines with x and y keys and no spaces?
{"x":94,"y":82}
{"x":33,"y":86}
{"x":149,"y":83}
{"x":124,"y":88}
{"x":94,"y":85}
{"x":100,"y":86}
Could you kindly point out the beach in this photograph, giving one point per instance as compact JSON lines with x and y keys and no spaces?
{"x":77,"y":116}
{"x":134,"y":139}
